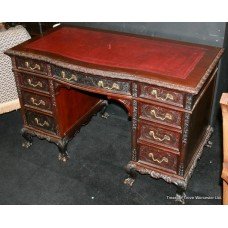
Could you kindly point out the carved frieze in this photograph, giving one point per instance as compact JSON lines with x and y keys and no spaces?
{"x":83,"y":79}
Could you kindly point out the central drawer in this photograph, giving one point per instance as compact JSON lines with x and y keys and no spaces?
{"x":160,"y":136}
{"x":83,"y":79}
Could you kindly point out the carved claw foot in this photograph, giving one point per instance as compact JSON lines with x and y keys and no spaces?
{"x":129,"y":181}
{"x":180,"y":195}
{"x":28,"y":138}
{"x":209,"y":144}
{"x":180,"y":198}
{"x":105,"y":115}
{"x":26,"y":144}
{"x":63,"y":157}
{"x":132,"y":175}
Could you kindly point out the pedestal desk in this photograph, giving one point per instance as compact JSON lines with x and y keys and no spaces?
{"x":67,"y":75}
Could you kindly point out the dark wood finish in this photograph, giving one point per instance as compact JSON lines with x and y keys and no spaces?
{"x":170,"y":112}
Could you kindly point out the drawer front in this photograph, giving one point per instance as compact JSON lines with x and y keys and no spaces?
{"x":36,"y":101}
{"x":34,"y":82}
{"x":160,"y":136}
{"x":40,"y":121}
{"x":162,"y":95}
{"x":31,"y":65}
{"x":161,"y":115}
{"x":79,"y":78}
{"x":158,"y":157}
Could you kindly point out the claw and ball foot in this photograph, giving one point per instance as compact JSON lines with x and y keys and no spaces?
{"x":132,"y":175}
{"x":105,"y":115}
{"x":28,"y":138}
{"x":26,"y":144}
{"x":63,"y":157}
{"x":180,"y":195}
{"x":129,"y":181}
{"x":103,"y":112}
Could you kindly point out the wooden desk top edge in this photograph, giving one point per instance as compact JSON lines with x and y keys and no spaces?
{"x":177,"y":84}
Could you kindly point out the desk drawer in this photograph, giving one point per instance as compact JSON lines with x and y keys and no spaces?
{"x":160,"y":158}
{"x":162,"y":95}
{"x":78,"y":78}
{"x":31,"y":65}
{"x":36,"y":101}
{"x":159,"y":136}
{"x":33,"y":82}
{"x":40,"y":121}
{"x":159,"y":114}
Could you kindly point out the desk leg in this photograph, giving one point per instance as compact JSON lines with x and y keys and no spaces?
{"x":28,"y":138}
{"x":132,"y":175}
{"x":62,"y":146}
{"x":103,"y":112}
{"x":180,"y":194}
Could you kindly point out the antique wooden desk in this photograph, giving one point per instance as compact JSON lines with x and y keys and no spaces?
{"x":167,"y":87}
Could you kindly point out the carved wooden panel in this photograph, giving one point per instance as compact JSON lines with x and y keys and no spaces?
{"x":160,"y":136}
{"x":33,"y":82}
{"x":84,"y":79}
{"x":161,"y":115}
{"x":31,"y":65}
{"x":158,"y":157}
{"x":36,"y":101}
{"x":162,"y":95}
{"x":40,"y":121}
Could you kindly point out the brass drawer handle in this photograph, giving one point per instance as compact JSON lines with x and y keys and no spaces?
{"x":41,"y":124}
{"x":167,"y":115}
{"x":164,"y":159}
{"x":166,"y":137}
{"x":41,"y":102}
{"x":168,"y":95}
{"x":36,"y":67}
{"x":73,"y":77}
{"x":114,"y":86}
{"x":34,"y":85}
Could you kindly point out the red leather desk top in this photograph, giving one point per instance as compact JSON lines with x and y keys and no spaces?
{"x":122,"y":51}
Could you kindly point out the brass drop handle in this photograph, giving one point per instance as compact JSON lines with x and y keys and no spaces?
{"x":41,"y":102}
{"x":34,"y":85}
{"x":114,"y":86}
{"x":168,"y":95}
{"x":167,"y":115}
{"x":166,"y":137}
{"x":73,"y":77}
{"x":41,"y":124}
{"x":36,"y":67}
{"x":164,"y":159}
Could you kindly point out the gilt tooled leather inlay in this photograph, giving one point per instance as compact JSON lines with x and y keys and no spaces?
{"x":161,"y":115}
{"x":91,"y":80}
{"x":115,"y":50}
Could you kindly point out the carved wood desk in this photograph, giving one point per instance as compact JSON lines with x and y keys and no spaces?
{"x":167,"y":87}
